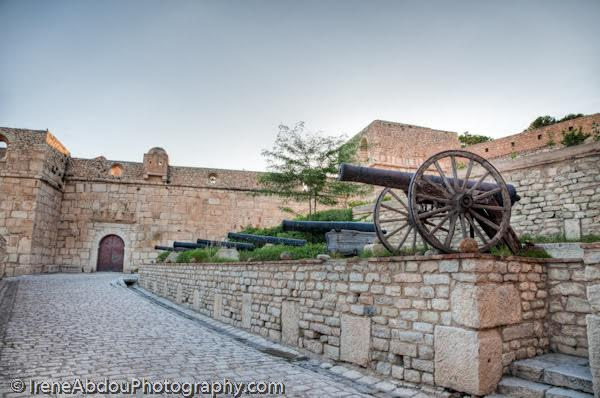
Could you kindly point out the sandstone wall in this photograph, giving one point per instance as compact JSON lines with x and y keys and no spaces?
{"x":402,"y":146}
{"x":145,"y":215}
{"x":560,"y":191}
{"x":531,"y":140}
{"x":30,"y":192}
{"x":568,"y":306}
{"x":404,"y":317}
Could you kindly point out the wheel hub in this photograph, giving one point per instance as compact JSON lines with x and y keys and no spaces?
{"x":465,"y":200}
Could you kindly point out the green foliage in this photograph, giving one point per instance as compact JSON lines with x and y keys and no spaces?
{"x":572,"y":137}
{"x":301,"y":166}
{"x":531,"y":252}
{"x":467,"y":139}
{"x":542,"y":121}
{"x":328,"y":215}
{"x":558,"y":238}
{"x":162,"y":257}
{"x":571,"y":116}
{"x":203,"y":255}
{"x":273,"y":253}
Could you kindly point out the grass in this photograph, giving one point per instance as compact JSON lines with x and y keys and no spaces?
{"x":204,"y":255}
{"x":272,"y":253}
{"x":162,"y":257}
{"x":531,"y":252}
{"x":558,"y":238}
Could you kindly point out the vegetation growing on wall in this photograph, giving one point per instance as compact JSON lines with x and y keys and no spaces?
{"x":542,"y":121}
{"x":572,"y":137}
{"x":467,"y":139}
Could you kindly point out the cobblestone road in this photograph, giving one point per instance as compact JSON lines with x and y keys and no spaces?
{"x":65,"y":326}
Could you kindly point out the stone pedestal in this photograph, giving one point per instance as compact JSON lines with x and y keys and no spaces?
{"x":467,"y":360}
{"x":591,"y":258}
{"x":468,"y":356}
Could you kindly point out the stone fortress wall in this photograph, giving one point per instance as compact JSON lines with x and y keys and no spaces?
{"x":401,"y":146}
{"x":54,"y":209}
{"x":455,"y":321}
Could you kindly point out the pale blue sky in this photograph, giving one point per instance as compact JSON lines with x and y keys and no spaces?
{"x":211,"y":80}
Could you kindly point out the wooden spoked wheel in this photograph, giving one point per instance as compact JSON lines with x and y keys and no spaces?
{"x":446,"y":206}
{"x":393,"y":226}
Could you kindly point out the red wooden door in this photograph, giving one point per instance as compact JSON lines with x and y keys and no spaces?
{"x":110,"y":254}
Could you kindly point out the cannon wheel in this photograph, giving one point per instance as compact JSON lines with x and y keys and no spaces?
{"x":392,"y":221}
{"x":444,"y":211}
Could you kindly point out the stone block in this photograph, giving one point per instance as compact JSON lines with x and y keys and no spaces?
{"x":593,"y":332}
{"x":355,"y":339}
{"x":466,"y":360}
{"x":217,"y":306}
{"x":290,"y":317}
{"x":593,"y":296}
{"x":246,"y":310}
{"x":572,"y":228}
{"x":485,"y":306}
{"x":196,"y":302}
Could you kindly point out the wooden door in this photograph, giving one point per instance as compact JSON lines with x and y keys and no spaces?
{"x":110,"y":254}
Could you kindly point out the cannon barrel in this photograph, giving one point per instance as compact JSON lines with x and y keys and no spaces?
{"x":163,"y":248}
{"x":325,"y":226}
{"x":266,"y":239}
{"x":217,"y":243}
{"x":401,"y":179}
{"x":186,"y":245}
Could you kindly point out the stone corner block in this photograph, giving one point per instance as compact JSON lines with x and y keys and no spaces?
{"x":466,"y":360}
{"x":485,"y":306}
{"x":355,"y":339}
{"x":593,"y":330}
{"x":290,"y":318}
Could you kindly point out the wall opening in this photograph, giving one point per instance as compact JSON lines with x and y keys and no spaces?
{"x":212,"y":178}
{"x":116,"y":170}
{"x":111,"y":253}
{"x":3,"y":147}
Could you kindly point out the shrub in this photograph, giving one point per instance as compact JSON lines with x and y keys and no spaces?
{"x":204,"y":255}
{"x":531,"y":252}
{"x":573,"y":137}
{"x":273,"y":253}
{"x":542,"y":121}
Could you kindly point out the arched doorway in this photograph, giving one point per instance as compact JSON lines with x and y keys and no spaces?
{"x":110,"y":254}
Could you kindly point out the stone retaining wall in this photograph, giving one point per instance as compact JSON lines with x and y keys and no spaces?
{"x":455,"y":321}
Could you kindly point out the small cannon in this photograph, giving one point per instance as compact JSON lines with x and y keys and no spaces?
{"x":325,"y":226}
{"x":168,"y":248}
{"x":442,"y":209}
{"x":201,"y":243}
{"x":261,"y":239}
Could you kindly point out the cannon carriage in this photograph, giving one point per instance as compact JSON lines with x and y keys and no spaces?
{"x":440,"y":205}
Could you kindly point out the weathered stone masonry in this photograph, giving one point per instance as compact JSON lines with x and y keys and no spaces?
{"x":403,"y":317}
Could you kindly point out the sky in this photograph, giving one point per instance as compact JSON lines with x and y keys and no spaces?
{"x":211,"y":81}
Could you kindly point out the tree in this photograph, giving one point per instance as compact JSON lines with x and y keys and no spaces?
{"x":467,"y":139}
{"x":542,"y":121}
{"x":302,"y":166}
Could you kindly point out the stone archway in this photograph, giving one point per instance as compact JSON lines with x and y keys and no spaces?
{"x":111,"y":253}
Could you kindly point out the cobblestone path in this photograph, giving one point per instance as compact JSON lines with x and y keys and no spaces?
{"x":68,"y":326}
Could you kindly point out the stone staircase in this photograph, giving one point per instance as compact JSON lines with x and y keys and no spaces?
{"x":547,"y":376}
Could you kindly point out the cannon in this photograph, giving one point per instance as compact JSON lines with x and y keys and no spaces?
{"x":438,"y":209}
{"x":202,"y":243}
{"x":325,"y":226}
{"x":169,"y":249}
{"x":261,"y":239}
{"x":216,"y":243}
